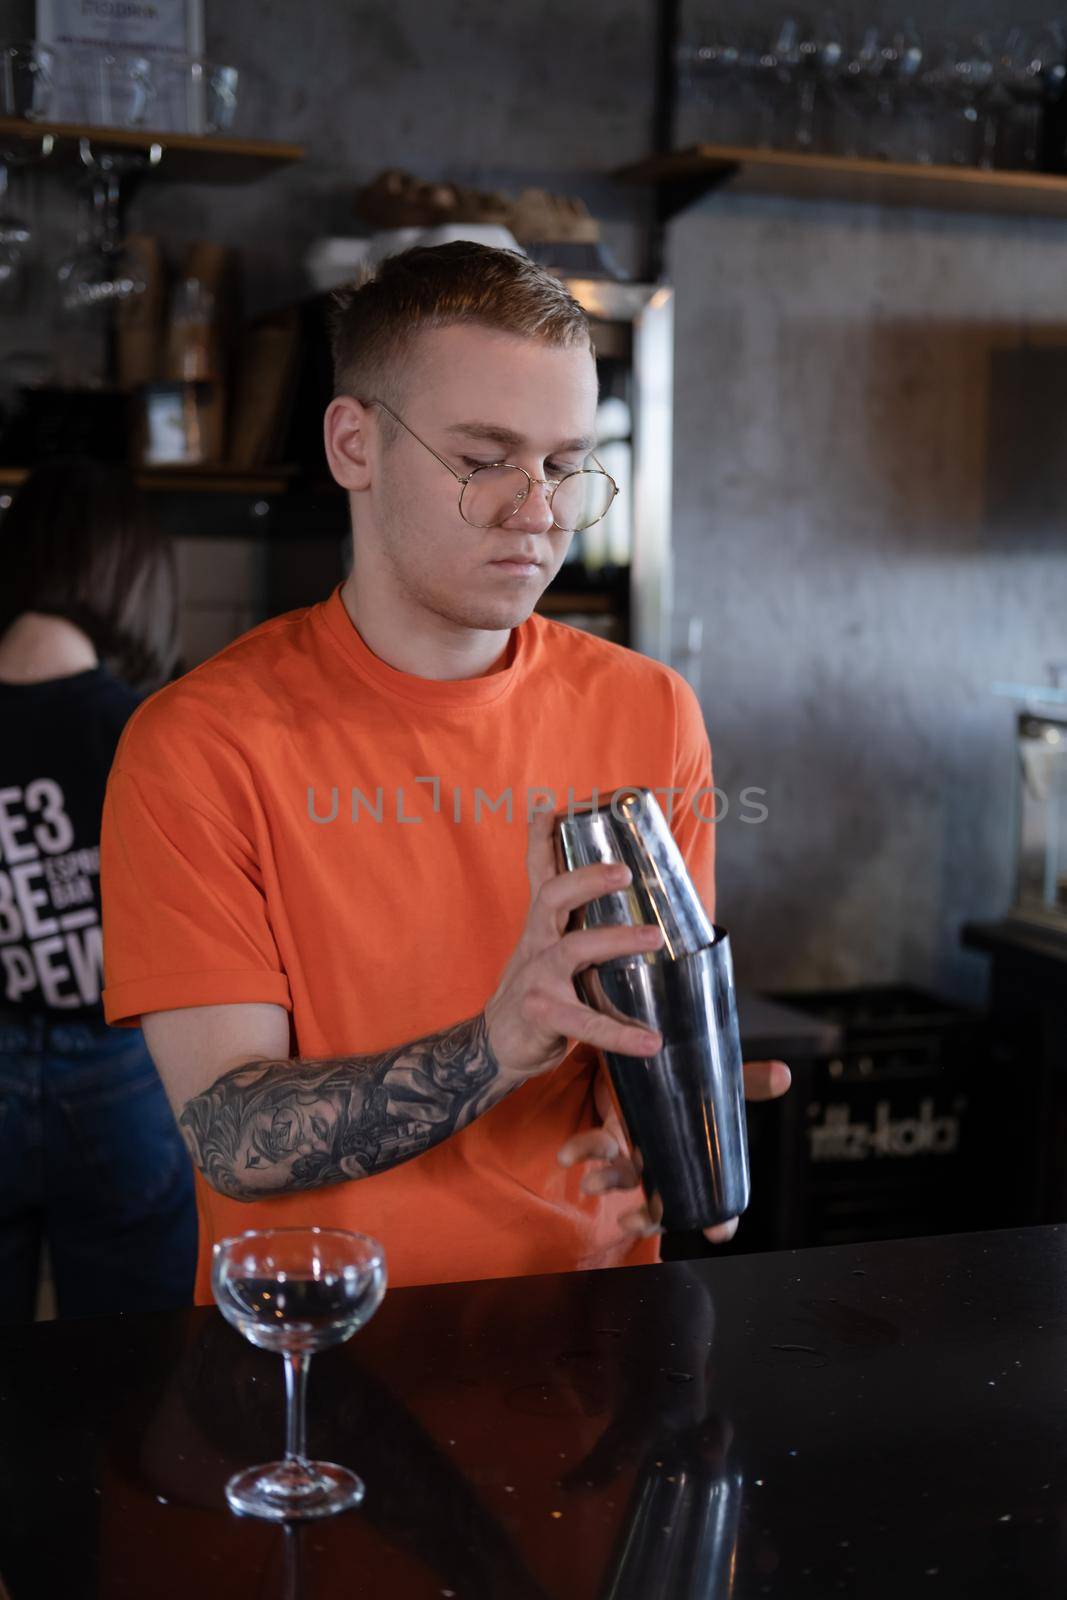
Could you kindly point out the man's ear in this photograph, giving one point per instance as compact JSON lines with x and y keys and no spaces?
{"x":345,"y":428}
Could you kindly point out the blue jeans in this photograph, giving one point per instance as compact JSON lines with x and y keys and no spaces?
{"x":91,"y":1162}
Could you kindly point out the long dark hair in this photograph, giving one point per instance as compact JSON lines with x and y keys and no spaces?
{"x":80,"y":542}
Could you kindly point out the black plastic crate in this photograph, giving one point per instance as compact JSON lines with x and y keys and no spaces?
{"x":892,"y":1134}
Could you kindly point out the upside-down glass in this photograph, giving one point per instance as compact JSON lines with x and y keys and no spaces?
{"x":297,"y":1290}
{"x":489,"y":495}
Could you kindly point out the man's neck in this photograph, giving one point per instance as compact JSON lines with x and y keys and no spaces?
{"x":37,"y":647}
{"x":412,"y":641}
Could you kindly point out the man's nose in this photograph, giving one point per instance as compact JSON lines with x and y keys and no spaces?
{"x":535,"y":513}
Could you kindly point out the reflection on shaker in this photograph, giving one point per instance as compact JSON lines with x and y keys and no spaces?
{"x":684,"y":1107}
{"x":679,"y":1538}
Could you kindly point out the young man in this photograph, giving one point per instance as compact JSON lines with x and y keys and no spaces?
{"x":329,"y":892}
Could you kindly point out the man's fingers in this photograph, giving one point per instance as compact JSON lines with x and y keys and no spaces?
{"x":766,"y":1080}
{"x":618,"y":1174}
{"x":596,"y":1144}
{"x":569,"y":890}
{"x":572,"y":1019}
{"x":589,"y":947}
{"x":639,"y":1223}
{"x":721,"y":1232}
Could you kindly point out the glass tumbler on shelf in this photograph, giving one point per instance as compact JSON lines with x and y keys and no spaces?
{"x":26,"y":81}
{"x":103,"y":87}
{"x":197,"y":96}
{"x":295,"y":1291}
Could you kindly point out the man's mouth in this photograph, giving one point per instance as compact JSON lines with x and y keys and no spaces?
{"x":524,"y":565}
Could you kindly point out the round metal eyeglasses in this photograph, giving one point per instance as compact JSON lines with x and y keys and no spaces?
{"x":489,"y":495}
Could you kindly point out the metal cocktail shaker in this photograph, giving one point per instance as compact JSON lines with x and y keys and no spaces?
{"x":684,"y":1107}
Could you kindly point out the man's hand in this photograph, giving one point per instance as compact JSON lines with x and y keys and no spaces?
{"x":616,"y":1166}
{"x":535,"y":1016}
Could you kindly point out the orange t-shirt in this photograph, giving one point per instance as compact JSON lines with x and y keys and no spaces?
{"x":296,"y":822}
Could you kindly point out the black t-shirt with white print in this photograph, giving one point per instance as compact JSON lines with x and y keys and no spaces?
{"x":57,"y":743}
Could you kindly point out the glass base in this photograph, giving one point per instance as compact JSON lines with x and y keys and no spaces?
{"x":284,"y":1491}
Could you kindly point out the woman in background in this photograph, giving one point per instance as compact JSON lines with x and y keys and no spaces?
{"x":91,"y":1162}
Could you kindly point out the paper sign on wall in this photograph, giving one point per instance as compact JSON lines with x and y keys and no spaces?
{"x":148,"y":83}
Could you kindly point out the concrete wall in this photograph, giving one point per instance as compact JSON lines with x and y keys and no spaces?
{"x":870,"y":416}
{"x":870,"y":410}
{"x":871,"y":540}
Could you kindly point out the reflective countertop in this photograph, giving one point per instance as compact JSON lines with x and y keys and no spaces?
{"x":881,"y":1420}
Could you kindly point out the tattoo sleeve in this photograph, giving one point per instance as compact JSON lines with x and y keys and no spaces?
{"x":278,"y":1127}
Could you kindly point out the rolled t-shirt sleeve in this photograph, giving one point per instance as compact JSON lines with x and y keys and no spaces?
{"x":185,"y":917}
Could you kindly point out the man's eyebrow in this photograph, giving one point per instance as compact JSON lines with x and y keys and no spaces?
{"x":509,"y":438}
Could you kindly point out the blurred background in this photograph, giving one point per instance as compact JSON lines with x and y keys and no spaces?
{"x":825,"y":250}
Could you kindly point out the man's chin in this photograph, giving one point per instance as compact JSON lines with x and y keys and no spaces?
{"x":494,"y":616}
{"x":498,"y":620}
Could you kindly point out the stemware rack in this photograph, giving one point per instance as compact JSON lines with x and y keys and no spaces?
{"x":680,"y":177}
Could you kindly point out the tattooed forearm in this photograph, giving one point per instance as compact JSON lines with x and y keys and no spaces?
{"x":277,"y":1127}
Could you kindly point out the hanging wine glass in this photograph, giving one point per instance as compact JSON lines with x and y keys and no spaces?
{"x":97,"y":277}
{"x":103,"y":273}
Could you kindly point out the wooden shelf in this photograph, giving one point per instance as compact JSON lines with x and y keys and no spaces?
{"x":685,"y":176}
{"x":183,"y":157}
{"x":192,"y":480}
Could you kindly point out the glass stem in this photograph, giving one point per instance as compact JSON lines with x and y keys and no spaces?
{"x":296,"y":1383}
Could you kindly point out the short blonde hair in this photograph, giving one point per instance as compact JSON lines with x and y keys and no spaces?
{"x":374,"y":322}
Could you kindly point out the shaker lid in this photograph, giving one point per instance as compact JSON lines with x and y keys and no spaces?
{"x":629,"y":826}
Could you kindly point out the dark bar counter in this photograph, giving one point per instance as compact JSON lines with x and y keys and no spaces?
{"x":873,"y":1421}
